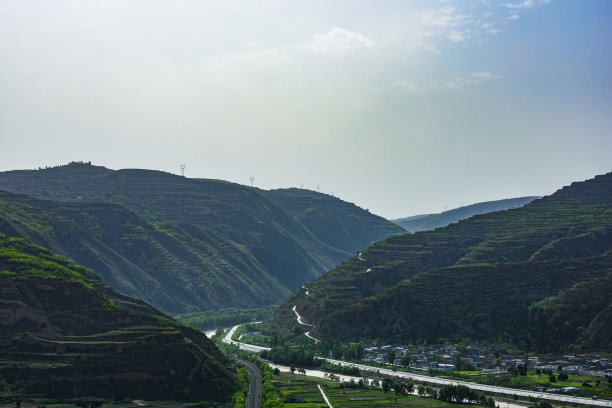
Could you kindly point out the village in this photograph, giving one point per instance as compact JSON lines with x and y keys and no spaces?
{"x":483,"y":358}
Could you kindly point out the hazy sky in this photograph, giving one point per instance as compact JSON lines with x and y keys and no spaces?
{"x":401,"y":107}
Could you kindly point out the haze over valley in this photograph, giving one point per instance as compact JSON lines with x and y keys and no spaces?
{"x":280,"y":204}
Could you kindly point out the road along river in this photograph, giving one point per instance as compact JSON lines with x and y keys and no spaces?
{"x":489,"y":389}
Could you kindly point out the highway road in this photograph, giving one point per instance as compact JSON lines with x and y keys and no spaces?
{"x":243,"y":346}
{"x":491,"y":389}
{"x":254,"y":395}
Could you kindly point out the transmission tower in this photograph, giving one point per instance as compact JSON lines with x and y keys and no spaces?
{"x":318,"y":188}
{"x":183,"y":170}
{"x":252,"y":179}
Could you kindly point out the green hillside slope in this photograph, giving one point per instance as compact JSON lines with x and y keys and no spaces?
{"x":537,"y":276}
{"x":335,"y":222}
{"x":65,"y":334}
{"x":182,"y":244}
{"x":175,"y":268}
{"x":427,"y":222}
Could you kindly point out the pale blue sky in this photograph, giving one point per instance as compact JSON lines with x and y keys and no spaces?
{"x":402,"y":107}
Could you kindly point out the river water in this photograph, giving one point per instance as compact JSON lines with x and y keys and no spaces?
{"x":343,"y":378}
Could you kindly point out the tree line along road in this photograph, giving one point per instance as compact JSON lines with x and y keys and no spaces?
{"x":489,"y":389}
{"x":254,"y":395}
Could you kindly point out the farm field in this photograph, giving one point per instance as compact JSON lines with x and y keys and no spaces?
{"x":302,"y":392}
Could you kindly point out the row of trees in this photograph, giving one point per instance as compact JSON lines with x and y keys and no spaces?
{"x":288,"y":355}
{"x":339,"y":368}
{"x":212,"y":319}
{"x":450,"y":393}
{"x":520,"y":369}
{"x":462,"y":394}
{"x":399,"y":387}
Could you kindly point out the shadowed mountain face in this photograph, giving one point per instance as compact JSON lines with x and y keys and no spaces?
{"x":66,"y":334}
{"x":427,"y":222}
{"x":334,"y":222}
{"x":537,"y":276}
{"x":183,"y":244}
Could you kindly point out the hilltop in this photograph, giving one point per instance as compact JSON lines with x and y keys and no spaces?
{"x":65,"y":334}
{"x":538,"y":277}
{"x":426,"y":222}
{"x":334,"y":222}
{"x":184,"y":244}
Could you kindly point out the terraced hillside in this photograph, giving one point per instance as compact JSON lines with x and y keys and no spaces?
{"x":182,"y":244}
{"x":537,"y":276}
{"x":427,"y":222}
{"x":334,"y":222}
{"x":65,"y":334}
{"x":175,"y":268}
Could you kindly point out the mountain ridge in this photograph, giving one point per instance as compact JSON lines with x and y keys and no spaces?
{"x":426,"y":222}
{"x":226,"y":245}
{"x":486,"y":278}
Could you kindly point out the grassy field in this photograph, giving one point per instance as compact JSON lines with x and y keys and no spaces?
{"x":362,"y":398}
{"x":302,"y":392}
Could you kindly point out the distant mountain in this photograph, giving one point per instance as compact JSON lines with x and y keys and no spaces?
{"x":65,"y":334}
{"x":184,"y":244}
{"x":539,"y":277}
{"x":334,"y":222}
{"x":426,"y":222}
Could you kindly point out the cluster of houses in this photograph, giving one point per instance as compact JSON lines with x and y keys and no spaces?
{"x":485,"y":358}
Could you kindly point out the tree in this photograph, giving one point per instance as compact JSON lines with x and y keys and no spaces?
{"x":406,"y":360}
{"x":276,"y":371}
{"x":292,"y":369}
{"x":354,"y":351}
{"x":399,"y":388}
{"x":387,"y":384}
{"x":541,"y":404}
{"x":409,"y":387}
{"x":301,"y":371}
{"x":219,"y":333}
{"x":552,"y":378}
{"x":390,"y":356}
{"x":458,"y":362}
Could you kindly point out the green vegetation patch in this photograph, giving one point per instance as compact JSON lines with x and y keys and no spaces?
{"x":212,"y":319}
{"x":36,"y":263}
